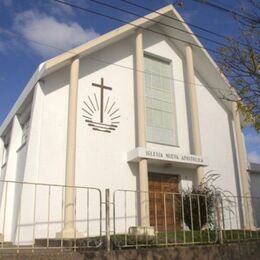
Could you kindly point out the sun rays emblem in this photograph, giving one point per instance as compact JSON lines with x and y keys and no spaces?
{"x":99,"y":117}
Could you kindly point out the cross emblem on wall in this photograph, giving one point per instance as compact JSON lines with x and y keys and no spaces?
{"x":108,"y":114}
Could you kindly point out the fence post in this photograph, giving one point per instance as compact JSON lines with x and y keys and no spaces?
{"x":219,"y":210}
{"x":107,"y":219}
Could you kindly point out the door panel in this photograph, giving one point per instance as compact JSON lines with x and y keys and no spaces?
{"x":164,"y":202}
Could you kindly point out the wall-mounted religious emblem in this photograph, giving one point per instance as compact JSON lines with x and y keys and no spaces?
{"x":102,"y":115}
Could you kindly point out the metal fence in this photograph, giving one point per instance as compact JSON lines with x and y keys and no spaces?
{"x":184,"y":218}
{"x":239,"y":219}
{"x":176,"y":218}
{"x":32,"y":218}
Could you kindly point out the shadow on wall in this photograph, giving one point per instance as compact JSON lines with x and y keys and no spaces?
{"x":235,"y":162}
{"x":21,"y":159}
{"x":106,"y":57}
{"x":50,"y":83}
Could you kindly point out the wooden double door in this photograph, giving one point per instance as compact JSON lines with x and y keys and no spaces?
{"x":164,"y":202}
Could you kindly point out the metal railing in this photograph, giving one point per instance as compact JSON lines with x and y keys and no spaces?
{"x":32,"y":218}
{"x":177,"y":218}
{"x":184,"y":219}
{"x":240,"y":218}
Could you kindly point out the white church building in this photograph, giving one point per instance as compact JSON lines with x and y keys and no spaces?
{"x":133,"y":109}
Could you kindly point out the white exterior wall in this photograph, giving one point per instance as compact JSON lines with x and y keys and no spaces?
{"x":1,"y":151}
{"x":34,"y":140}
{"x":98,"y":154}
{"x":104,"y":154}
{"x":20,"y":203}
{"x":30,"y":170}
{"x":101,"y":158}
{"x":9,"y":210}
{"x":2,"y":177}
{"x":218,"y":144}
{"x":46,"y":163}
{"x":161,"y":46}
{"x":2,"y":168}
{"x":52,"y":155}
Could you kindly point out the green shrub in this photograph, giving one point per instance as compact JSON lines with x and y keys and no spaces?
{"x":198,"y":207}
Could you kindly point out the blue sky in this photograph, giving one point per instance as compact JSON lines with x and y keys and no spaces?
{"x":63,"y":27}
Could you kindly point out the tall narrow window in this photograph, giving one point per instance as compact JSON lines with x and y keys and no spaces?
{"x":25,"y":130}
{"x":159,"y":97}
{"x":5,"y":154}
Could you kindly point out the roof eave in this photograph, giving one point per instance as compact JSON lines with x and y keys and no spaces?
{"x":61,"y":60}
{"x":107,"y":38}
{"x":205,"y":52}
{"x":28,"y":88}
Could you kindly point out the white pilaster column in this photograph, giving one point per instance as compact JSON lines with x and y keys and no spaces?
{"x":1,"y":153}
{"x":1,"y":183}
{"x":194,"y":109}
{"x":69,"y":230}
{"x":10,"y":175}
{"x":248,"y":213}
{"x":141,"y":119}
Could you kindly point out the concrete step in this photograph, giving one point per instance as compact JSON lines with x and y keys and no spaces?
{"x":6,"y":245}
{"x":232,"y":251}
{"x":41,"y":255}
{"x":80,"y":243}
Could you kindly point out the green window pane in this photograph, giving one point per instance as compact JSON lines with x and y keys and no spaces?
{"x":160,"y":112}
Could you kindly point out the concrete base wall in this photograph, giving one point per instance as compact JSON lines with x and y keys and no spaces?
{"x":235,"y":251}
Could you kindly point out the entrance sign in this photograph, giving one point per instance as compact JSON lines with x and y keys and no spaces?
{"x":99,"y":117}
{"x":166,"y":156}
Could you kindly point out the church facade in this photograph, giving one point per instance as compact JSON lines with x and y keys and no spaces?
{"x":134,"y":110}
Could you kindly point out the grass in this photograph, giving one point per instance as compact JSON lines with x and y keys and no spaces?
{"x":237,"y":235}
{"x":182,"y":238}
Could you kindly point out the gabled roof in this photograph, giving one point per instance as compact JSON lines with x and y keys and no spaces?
{"x":108,"y":38}
{"x":200,"y":54}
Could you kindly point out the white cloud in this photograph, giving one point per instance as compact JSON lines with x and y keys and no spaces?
{"x":7,"y":3}
{"x":2,"y":47}
{"x":47,"y":30}
{"x":254,"y":157}
{"x":252,"y":138}
{"x":60,"y":9}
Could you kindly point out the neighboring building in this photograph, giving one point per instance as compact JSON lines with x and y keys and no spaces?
{"x":254,"y":174}
{"x":139,"y":110}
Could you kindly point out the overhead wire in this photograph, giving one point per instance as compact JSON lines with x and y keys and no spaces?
{"x":132,"y":24}
{"x":157,"y":22}
{"x":181,"y":21}
{"x":173,"y":18}
{"x":221,"y":8}
{"x":14,"y":34}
